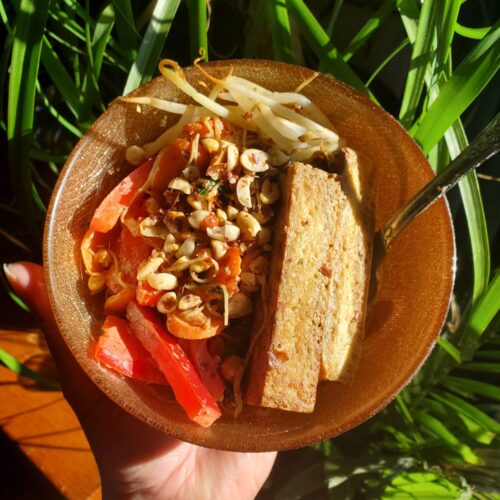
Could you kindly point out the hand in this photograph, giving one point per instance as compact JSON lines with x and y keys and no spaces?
{"x":133,"y":458}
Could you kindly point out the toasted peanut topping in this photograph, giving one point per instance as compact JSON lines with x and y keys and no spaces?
{"x":186,"y":249}
{"x":219,"y":248}
{"x":191,"y":173}
{"x":180,"y":184}
{"x":270,"y":192}
{"x":232,"y":156}
{"x":153,"y":227}
{"x":197,"y":217}
{"x":254,"y":160}
{"x":232,"y":212}
{"x":264,"y":236}
{"x":239,"y":305}
{"x":211,"y":145}
{"x":162,"y":281}
{"x":148,"y":267}
{"x":248,"y":224}
{"x":194,"y":203}
{"x":243,"y":190}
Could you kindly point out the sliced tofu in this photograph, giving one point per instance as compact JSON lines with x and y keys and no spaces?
{"x":287,"y":338}
{"x":348,"y":287}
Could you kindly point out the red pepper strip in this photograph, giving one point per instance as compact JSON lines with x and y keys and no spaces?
{"x":146,"y":295}
{"x":117,"y":303}
{"x":188,"y":389}
{"x":110,"y":209}
{"x":206,"y":366}
{"x":119,"y":349}
{"x":133,"y":251}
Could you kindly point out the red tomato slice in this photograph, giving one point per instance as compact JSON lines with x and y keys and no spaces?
{"x":188,"y":389}
{"x":230,"y":269}
{"x":110,"y":209}
{"x":133,"y":250}
{"x":206,"y":366}
{"x":117,"y":348}
{"x":146,"y":295}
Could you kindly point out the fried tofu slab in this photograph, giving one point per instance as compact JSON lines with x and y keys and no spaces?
{"x":289,"y":325}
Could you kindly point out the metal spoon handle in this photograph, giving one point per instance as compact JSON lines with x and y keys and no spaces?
{"x":486,"y":144}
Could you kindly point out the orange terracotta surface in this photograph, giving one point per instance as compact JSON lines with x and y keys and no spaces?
{"x":42,"y":423}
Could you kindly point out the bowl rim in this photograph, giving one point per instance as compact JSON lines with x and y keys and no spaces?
{"x":291,"y":443}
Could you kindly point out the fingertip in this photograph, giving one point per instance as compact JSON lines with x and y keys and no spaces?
{"x":28,"y":281}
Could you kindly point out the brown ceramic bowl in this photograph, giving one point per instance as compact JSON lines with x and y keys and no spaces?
{"x":413,"y":293}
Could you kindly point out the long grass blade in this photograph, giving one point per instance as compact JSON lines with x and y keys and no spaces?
{"x":330,"y":59}
{"x":474,"y":33}
{"x":447,"y":438}
{"x":421,"y":58}
{"x":487,"y":307}
{"x":61,"y":78}
{"x":404,"y":43}
{"x":369,"y":29}
{"x":256,"y":24}
{"x":16,"y":366}
{"x":332,"y":20}
{"x":64,"y":122}
{"x":447,"y":15}
{"x":128,"y":35}
{"x":30,"y":25}
{"x":281,"y":32}
{"x":198,"y":28}
{"x":152,"y":44}
{"x":465,"y":84}
{"x":472,"y":387}
{"x":460,"y":405}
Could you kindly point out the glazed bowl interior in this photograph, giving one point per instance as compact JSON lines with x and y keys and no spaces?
{"x":405,"y":318}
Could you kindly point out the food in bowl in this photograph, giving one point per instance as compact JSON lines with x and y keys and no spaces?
{"x":231,"y":269}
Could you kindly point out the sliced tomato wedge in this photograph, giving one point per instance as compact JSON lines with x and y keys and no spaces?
{"x":118,"y":349}
{"x":91,"y":243}
{"x":188,"y":389}
{"x":110,"y":209}
{"x":230,"y":269}
{"x":206,"y":366}
{"x":177,"y":325}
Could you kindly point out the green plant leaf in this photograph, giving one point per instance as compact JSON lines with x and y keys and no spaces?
{"x":447,"y":438}
{"x":330,"y":60}
{"x":281,"y":33}
{"x":486,"y":307}
{"x":464,"y":85}
{"x":61,"y":78}
{"x":30,"y":25}
{"x":421,"y":485}
{"x":421,"y":58}
{"x":470,"y":387}
{"x":128,"y":35}
{"x":474,"y":33}
{"x":152,"y":44}
{"x":462,"y":406}
{"x":255,"y":26}
{"x":369,"y":29}
{"x":491,"y":368}
{"x":16,"y":366}
{"x":387,"y":60}
{"x":334,"y":14}
{"x":450,"y":349}
{"x":198,"y":28}
{"x":447,"y":14}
